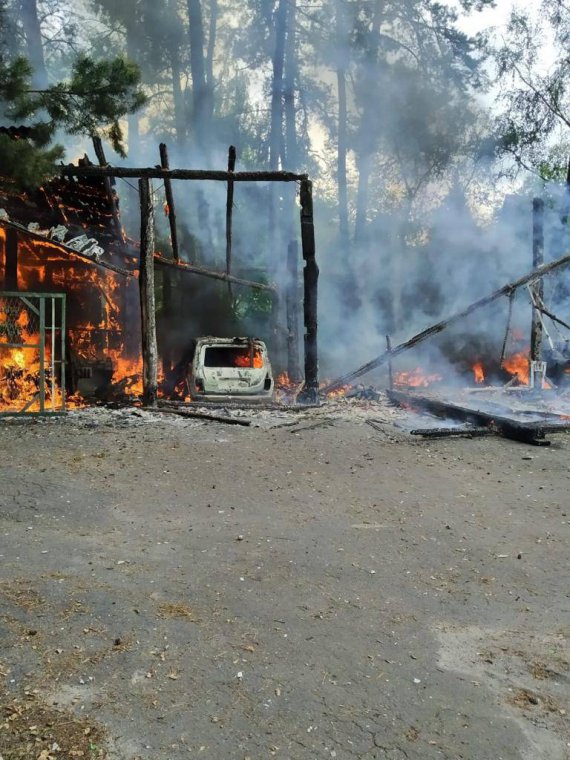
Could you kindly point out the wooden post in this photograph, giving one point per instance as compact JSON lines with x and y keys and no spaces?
{"x":229,"y":211}
{"x":11,"y":260}
{"x":167,"y":314}
{"x":275,"y":332}
{"x":168,"y":274}
{"x":108,"y":182}
{"x":146,"y":289}
{"x":169,"y":202}
{"x":292,"y":303}
{"x":390,"y":374}
{"x":310,"y":391}
{"x":537,"y":287}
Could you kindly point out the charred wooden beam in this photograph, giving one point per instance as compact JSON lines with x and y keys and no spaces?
{"x":64,"y":248}
{"x":390,"y":372}
{"x":292,"y":305}
{"x":310,"y":392}
{"x":507,"y":289}
{"x":202,"y":416}
{"x":182,"y":266}
{"x":169,"y":202}
{"x":187,"y":174}
{"x":442,"y":432}
{"x":538,"y":287}
{"x":146,"y":289}
{"x":100,"y":153}
{"x":552,"y":316}
{"x":11,"y":260}
{"x":229,"y":209}
{"x":276,"y":329}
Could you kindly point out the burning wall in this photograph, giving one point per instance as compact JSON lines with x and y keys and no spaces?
{"x":102,"y":315}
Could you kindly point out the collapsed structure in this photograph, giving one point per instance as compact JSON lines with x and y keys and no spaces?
{"x":77,"y":296}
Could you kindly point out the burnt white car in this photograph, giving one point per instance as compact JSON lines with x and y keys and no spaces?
{"x":225,"y":369}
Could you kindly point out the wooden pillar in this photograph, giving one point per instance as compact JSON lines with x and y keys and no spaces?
{"x":167,"y":317}
{"x":146,"y":289}
{"x":275,"y":332}
{"x":292,"y":303}
{"x":11,"y":260}
{"x":310,"y":391}
{"x":538,"y":286}
{"x":169,"y":202}
{"x":229,"y":210}
{"x":390,"y":373}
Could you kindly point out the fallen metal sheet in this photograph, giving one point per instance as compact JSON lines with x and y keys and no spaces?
{"x":531,"y":431}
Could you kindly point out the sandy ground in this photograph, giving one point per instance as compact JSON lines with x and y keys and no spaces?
{"x":174,"y":589}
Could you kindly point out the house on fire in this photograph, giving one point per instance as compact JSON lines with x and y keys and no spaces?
{"x":65,"y":238}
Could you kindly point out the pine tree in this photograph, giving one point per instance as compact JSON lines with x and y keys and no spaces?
{"x":91,"y":102}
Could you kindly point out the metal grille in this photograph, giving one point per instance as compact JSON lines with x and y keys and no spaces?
{"x":32,"y":353}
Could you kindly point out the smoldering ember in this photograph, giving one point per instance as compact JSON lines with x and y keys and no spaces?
{"x":284,"y":380}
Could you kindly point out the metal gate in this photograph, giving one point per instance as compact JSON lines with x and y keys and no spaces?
{"x":32,"y":353}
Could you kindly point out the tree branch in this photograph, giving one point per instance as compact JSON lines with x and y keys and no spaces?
{"x":542,"y":97}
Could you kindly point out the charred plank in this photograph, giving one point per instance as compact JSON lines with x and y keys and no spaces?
{"x":443,"y":432}
{"x":201,"y":416}
{"x":154,"y":172}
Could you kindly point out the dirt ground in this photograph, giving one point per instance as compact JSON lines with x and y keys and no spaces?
{"x":171,"y":589}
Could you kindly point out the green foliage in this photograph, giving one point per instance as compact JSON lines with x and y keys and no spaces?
{"x":249,"y":303}
{"x":25,"y":164}
{"x":96,"y":96}
{"x":536,"y":101}
{"x":91,"y":102}
{"x":552,"y":172}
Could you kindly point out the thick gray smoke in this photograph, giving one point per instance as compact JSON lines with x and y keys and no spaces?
{"x":397,"y":99}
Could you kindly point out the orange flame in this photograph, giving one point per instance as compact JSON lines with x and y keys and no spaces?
{"x":96,"y":326}
{"x":415,"y":379}
{"x":246,"y":360}
{"x":518,"y":365}
{"x":479,"y":372}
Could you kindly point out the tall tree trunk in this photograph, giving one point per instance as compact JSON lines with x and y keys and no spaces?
{"x":398,"y":260}
{"x":202,"y":100}
{"x":276,"y":141}
{"x":276,"y":133}
{"x":133,"y":118}
{"x":367,"y":138}
{"x":291,"y":159}
{"x":175,"y":68}
{"x":31,"y":24}
{"x":342,"y":188}
{"x":212,"y":30}
{"x":364,"y":168}
{"x":178,"y":98}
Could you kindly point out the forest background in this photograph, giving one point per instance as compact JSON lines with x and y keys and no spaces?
{"x":425,"y":140}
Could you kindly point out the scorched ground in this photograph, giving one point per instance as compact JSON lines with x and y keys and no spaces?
{"x":317,"y":589}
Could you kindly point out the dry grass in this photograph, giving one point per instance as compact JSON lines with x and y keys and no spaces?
{"x":32,"y":730}
{"x":176,"y":610}
{"x":526,"y":699}
{"x":19,"y":593}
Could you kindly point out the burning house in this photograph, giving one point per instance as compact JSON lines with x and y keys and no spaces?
{"x":65,"y":239}
{"x":77,"y":299}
